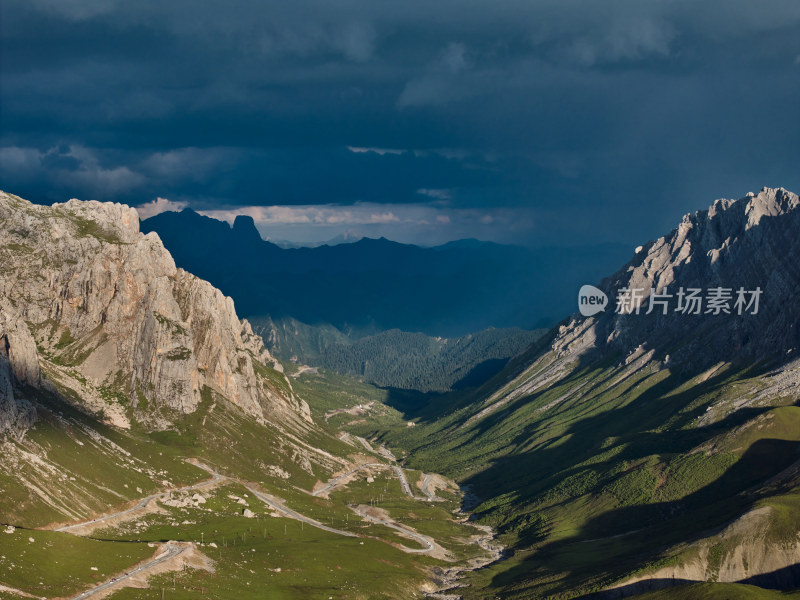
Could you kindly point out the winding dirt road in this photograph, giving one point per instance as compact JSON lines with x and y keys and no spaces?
{"x":170,"y":551}
{"x":215,"y":479}
{"x":429,"y":545}
{"x":398,"y":471}
{"x":273,"y":503}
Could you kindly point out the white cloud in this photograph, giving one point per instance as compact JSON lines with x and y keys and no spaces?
{"x":19,"y":161}
{"x":75,"y":167}
{"x":354,"y":41}
{"x":454,"y":57}
{"x":359,"y":214}
{"x":94,"y":178}
{"x":449,"y":153}
{"x":102,"y":182}
{"x":76,"y":10}
{"x":386,"y":217}
{"x":158,"y":206}
{"x":196,"y":164}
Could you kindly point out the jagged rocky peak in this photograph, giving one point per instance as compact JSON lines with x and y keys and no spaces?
{"x":107,"y":301}
{"x":750,"y":244}
{"x":245,"y":228}
{"x":19,"y":372}
{"x":114,"y":219}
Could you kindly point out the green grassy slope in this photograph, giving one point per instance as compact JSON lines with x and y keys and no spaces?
{"x":71,"y":467}
{"x":269,"y":557}
{"x":610,"y":470}
{"x":50,"y":564}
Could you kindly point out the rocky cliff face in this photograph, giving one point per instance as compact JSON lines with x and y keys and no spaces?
{"x":747,"y":244}
{"x":107,"y":304}
{"x":19,"y":369}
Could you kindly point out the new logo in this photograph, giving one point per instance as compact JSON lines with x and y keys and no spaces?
{"x":591,"y":300}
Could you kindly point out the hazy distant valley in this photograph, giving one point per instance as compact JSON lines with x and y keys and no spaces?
{"x":374,"y":285}
{"x":398,"y":315}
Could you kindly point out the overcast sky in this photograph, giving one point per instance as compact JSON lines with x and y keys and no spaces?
{"x":539,"y":122}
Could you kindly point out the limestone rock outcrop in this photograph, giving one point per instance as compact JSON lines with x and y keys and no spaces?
{"x":107,"y":301}
{"x":19,"y":370}
{"x":747,"y":244}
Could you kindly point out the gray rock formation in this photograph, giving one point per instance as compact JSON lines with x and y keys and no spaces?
{"x":19,"y":370}
{"x":748,"y":243}
{"x":107,"y":301}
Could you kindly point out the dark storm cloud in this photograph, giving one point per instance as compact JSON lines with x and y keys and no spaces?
{"x":594,"y":120}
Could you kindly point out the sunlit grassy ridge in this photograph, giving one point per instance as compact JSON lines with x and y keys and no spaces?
{"x":718,"y":591}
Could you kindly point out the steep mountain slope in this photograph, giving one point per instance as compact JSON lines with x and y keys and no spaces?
{"x":109,"y":302}
{"x":660,"y":445}
{"x":97,"y":322}
{"x":295,"y":341}
{"x":376,"y":284}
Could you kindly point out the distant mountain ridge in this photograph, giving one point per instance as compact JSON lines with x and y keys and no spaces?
{"x":343,"y":238}
{"x":377,"y":284}
{"x":398,"y":359}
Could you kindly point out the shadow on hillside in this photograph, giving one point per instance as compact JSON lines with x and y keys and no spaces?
{"x":480,"y":373}
{"x":785,"y":579}
{"x":429,"y":406}
{"x":656,"y":422}
{"x":412,"y":403}
{"x":635,"y":426}
{"x":620,"y":540}
{"x":476,"y":385}
{"x":634,"y":589}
